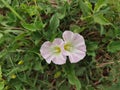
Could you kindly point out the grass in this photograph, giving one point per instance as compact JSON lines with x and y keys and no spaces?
{"x":26,"y":24}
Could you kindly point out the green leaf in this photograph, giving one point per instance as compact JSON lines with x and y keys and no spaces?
{"x":110,"y":33}
{"x":99,"y":5}
{"x":32,"y":10}
{"x":60,"y":15}
{"x":100,"y":19}
{"x":2,"y":85}
{"x":37,"y":25}
{"x":11,"y":8}
{"x":116,"y":31}
{"x":113,"y":46}
{"x":102,"y":30}
{"x":91,"y":48}
{"x":84,"y":8}
{"x":1,"y":35}
{"x":54,"y":22}
{"x":1,"y":80}
{"x":89,"y":5}
{"x":30,"y":27}
{"x":72,"y":78}
{"x":74,"y":81}
{"x":76,"y":28}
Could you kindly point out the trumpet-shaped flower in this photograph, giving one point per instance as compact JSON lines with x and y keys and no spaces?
{"x":74,"y":46}
{"x":53,"y":51}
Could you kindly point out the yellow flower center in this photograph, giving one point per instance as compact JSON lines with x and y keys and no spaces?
{"x":68,"y":47}
{"x":57,"y":49}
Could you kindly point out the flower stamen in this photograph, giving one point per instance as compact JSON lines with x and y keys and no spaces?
{"x":68,"y":47}
{"x":57,"y":50}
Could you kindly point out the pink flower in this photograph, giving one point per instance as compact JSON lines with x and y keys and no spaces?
{"x":74,"y":46}
{"x":53,"y":51}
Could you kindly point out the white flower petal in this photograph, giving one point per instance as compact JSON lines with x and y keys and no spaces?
{"x":49,"y":59}
{"x":67,"y":53}
{"x":68,"y":36}
{"x":81,"y":48}
{"x":45,"y":51}
{"x":74,"y":46}
{"x":53,"y":51}
{"x":58,"y":41}
{"x":59,"y":60}
{"x":78,"y":40}
{"x":76,"y":57}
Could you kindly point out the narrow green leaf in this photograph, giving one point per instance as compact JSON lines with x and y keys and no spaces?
{"x":74,"y":81}
{"x":37,"y":25}
{"x":30,"y":27}
{"x":84,"y":8}
{"x":3,"y":53}
{"x":7,"y":5}
{"x":99,"y":5}
{"x":100,"y":19}
{"x":54,"y":22}
{"x":89,"y":5}
{"x":13,"y":71}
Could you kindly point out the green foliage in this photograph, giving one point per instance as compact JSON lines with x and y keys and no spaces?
{"x":72,"y":77}
{"x":91,"y":48}
{"x":1,"y":35}
{"x":54,"y":22}
{"x":101,"y":20}
{"x":113,"y":46}
{"x":99,"y":4}
{"x":26,"y":24}
{"x":2,"y":83}
{"x":76,"y":28}
{"x":33,"y":26}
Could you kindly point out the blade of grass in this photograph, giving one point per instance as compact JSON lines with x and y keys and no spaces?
{"x":8,"y":6}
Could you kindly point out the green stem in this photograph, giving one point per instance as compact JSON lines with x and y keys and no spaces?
{"x":72,"y":78}
{"x":35,"y":80}
{"x":7,"y":5}
{"x":11,"y":62}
